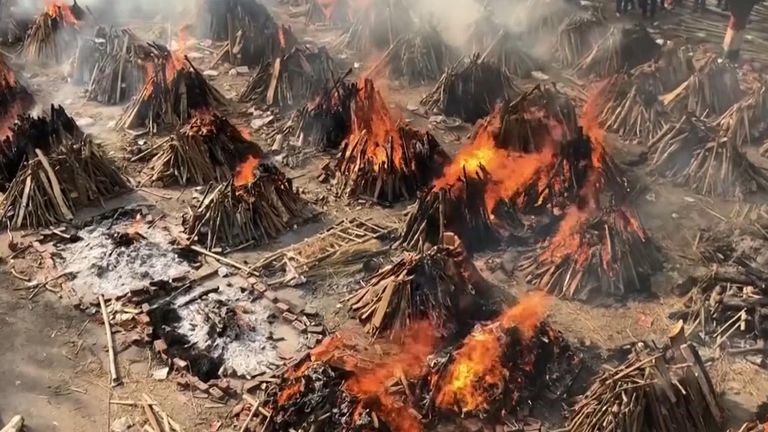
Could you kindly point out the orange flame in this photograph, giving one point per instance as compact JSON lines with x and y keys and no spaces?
{"x":244,"y":173}
{"x":56,"y":9}
{"x":477,"y":375}
{"x":373,"y":121}
{"x":281,"y":36}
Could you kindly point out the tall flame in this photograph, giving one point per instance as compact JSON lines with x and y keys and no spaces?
{"x":373,"y":121}
{"x":245,"y":172}
{"x":56,"y":9}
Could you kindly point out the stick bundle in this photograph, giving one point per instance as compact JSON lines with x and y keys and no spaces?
{"x":54,"y":34}
{"x":376,"y":26}
{"x":631,"y":110}
{"x":673,"y":149}
{"x":594,"y":253}
{"x":326,"y":122}
{"x":576,"y":36}
{"x":208,"y":148}
{"x":174,"y":90}
{"x":61,"y":170}
{"x":290,"y":81}
{"x":711,"y":91}
{"x":747,"y":120}
{"x":256,"y":206}
{"x":415,"y":58}
{"x":381,"y":160}
{"x":621,"y":50}
{"x":651,"y":391}
{"x":470,"y":90}
{"x":673,"y":67}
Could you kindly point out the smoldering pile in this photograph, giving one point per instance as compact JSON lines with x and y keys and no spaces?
{"x":327,"y":121}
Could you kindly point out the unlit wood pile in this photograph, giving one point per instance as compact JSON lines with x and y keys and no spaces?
{"x":292,"y":80}
{"x":632,"y":110}
{"x":673,"y":67}
{"x":470,"y":90}
{"x":710,"y":92}
{"x":326,"y":122}
{"x":111,"y":65}
{"x":436,"y":285}
{"x":576,"y":36}
{"x":256,"y":206}
{"x":653,"y":390}
{"x":337,"y":13}
{"x":506,"y":51}
{"x":376,"y":25}
{"x":62,"y":170}
{"x":53,"y":36}
{"x":672,"y":150}
{"x":172,"y":93}
{"x":621,"y":50}
{"x":415,"y":58}
{"x":381,"y":160}
{"x":594,"y":253}
{"x":747,"y":120}
{"x":208,"y":148}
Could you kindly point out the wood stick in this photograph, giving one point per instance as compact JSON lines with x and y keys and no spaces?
{"x":114,"y":377}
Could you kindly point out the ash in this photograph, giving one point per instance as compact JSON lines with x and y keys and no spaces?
{"x":103,"y":267}
{"x":232,"y":326}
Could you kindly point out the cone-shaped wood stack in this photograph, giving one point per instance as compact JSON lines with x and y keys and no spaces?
{"x":709,"y":92}
{"x":621,"y":50}
{"x":415,"y":58}
{"x":53,"y":36}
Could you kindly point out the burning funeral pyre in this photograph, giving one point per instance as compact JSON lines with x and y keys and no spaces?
{"x":576,"y":36}
{"x":382,"y":160}
{"x":337,"y":13}
{"x":112,"y":65}
{"x":441,"y":285}
{"x":621,"y":50}
{"x":710,"y":91}
{"x":654,"y":390}
{"x":53,"y":36}
{"x":747,"y":120}
{"x":292,"y":80}
{"x":257,"y":205}
{"x":174,"y":90}
{"x":470,"y":90}
{"x":692,"y":153}
{"x":376,"y":24}
{"x":53,"y":169}
{"x":630,"y":109}
{"x":252,"y":35}
{"x":15,"y":99}
{"x":327,"y":121}
{"x":415,"y":381}
{"x":416,"y":58}
{"x":208,"y":148}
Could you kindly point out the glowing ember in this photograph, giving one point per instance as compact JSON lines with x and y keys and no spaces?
{"x":245,"y":172}
{"x":477,"y":374}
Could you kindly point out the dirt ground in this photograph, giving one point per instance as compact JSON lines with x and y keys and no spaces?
{"x":53,"y":365}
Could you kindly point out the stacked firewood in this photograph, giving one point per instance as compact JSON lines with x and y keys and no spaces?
{"x":376,"y":26}
{"x":327,"y":121}
{"x":576,"y":36}
{"x":654,"y":390}
{"x":171,"y":94}
{"x":54,"y":34}
{"x":441,"y":285}
{"x":747,"y":120}
{"x":673,"y":67}
{"x":470,"y":90}
{"x":541,"y":117}
{"x":711,"y":91}
{"x":621,"y":50}
{"x":506,"y":51}
{"x":292,"y":80}
{"x":56,"y":170}
{"x":632,"y":110}
{"x":415,"y":58}
{"x":594,"y":252}
{"x":111,"y":65}
{"x":381,"y":160}
{"x":255,"y":206}
{"x":208,"y":148}
{"x":15,"y":99}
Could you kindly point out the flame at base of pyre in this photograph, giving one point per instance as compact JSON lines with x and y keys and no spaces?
{"x":53,"y":36}
{"x":53,"y":169}
{"x":375,"y":26}
{"x":594,"y":252}
{"x":470,"y":90}
{"x":327,"y":121}
{"x":207,"y":148}
{"x":441,"y":284}
{"x":254,"y":207}
{"x":382,"y":160}
{"x":292,"y":80}
{"x":173,"y":91}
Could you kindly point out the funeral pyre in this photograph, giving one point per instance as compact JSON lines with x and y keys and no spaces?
{"x":208,"y":148}
{"x":251,"y":34}
{"x":337,"y":13}
{"x":54,"y":34}
{"x":631,"y":109}
{"x":381,"y":159}
{"x":577,"y":35}
{"x":507,"y":52}
{"x":112,"y":65}
{"x":470,"y":89}
{"x":258,"y":204}
{"x":747,"y":120}
{"x":325,"y":122}
{"x":621,"y":50}
{"x":15,"y":99}
{"x":417,"y":379}
{"x":710,"y":92}
{"x":173,"y":91}
{"x":691,"y":152}
{"x":376,"y":24}
{"x":654,"y":390}
{"x":292,"y":80}
{"x":51,"y":169}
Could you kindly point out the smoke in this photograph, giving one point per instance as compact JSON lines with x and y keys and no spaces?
{"x":115,"y":11}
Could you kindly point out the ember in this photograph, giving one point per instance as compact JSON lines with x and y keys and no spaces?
{"x":382,"y":160}
{"x":54,"y":34}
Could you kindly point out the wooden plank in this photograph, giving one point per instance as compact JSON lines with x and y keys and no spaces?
{"x":55,"y":184}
